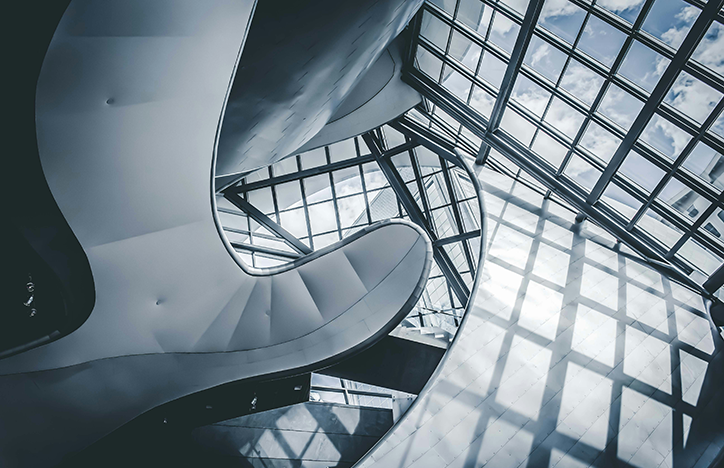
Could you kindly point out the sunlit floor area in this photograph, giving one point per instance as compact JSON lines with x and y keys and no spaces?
{"x":576,"y":354}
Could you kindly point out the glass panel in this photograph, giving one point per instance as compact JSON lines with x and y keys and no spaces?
{"x":261,"y":199}
{"x":503,"y":32}
{"x":530,"y":95}
{"x":260,"y":174}
{"x":627,"y":9}
{"x":447,"y":5}
{"x":518,"y":5}
{"x":718,"y":126}
{"x":482,"y":102}
{"x":660,"y":229}
{"x":374,"y":178}
{"x":549,"y":149}
{"x":347,"y":181}
{"x":289,"y":195}
{"x":434,"y":30}
{"x":692,"y":97}
{"x":665,"y":136}
{"x":620,"y":106}
{"x":393,"y":138}
{"x":465,"y":51}
{"x":714,"y":225}
{"x":563,"y":118}
{"x":317,"y":188}
{"x":428,"y":63}
{"x":327,"y":239}
{"x":643,"y":66}
{"x":698,"y":256}
{"x":545,"y":59}
{"x":295,"y":222}
{"x":322,"y":218}
{"x":428,"y":161}
{"x":404,"y":166}
{"x":472,"y":13}
{"x":670,"y":20}
{"x":315,"y":158}
{"x":707,"y":164}
{"x":343,"y":150}
{"x":601,"y":41}
{"x":641,"y":171}
{"x":582,"y":173}
{"x":562,"y":18}
{"x":285,"y":166}
{"x":621,"y":201}
{"x":517,"y":126}
{"x":456,"y":83}
{"x":492,"y":70}
{"x":683,"y":199}
{"x":581,"y":81}
{"x":234,"y":221}
{"x":600,"y":142}
{"x":383,"y":204}
{"x":709,"y":51}
{"x":352,"y":211}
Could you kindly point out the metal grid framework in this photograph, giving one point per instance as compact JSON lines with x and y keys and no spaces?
{"x":304,"y":203}
{"x":619,"y":112}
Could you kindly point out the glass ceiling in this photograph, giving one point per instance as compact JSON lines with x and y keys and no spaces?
{"x":315,"y":199}
{"x":616,"y":103}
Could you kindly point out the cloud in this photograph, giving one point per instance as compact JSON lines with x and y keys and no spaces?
{"x":582,"y":82}
{"x":600,"y":142}
{"x":563,"y":118}
{"x":675,"y":36}
{"x":531,"y":96}
{"x":553,"y":8}
{"x":540,"y":53}
{"x":711,"y":49}
{"x":619,"y":5}
{"x":692,"y":97}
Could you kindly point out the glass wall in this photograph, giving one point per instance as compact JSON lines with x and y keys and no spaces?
{"x":588,"y":71}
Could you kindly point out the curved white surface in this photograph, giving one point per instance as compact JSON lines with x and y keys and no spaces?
{"x":369,"y":103}
{"x":128,"y":104}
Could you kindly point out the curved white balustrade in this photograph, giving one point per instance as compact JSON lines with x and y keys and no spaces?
{"x":128,"y":105}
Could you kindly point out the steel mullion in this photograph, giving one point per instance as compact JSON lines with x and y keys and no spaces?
{"x":364,"y":184}
{"x":591,"y":113}
{"x":679,"y":161}
{"x":460,"y":69}
{"x":458,"y":238}
{"x":476,"y":38}
{"x":516,"y":60}
{"x":715,"y":280}
{"x":437,"y":94}
{"x":265,"y":250}
{"x":264,"y":220}
{"x":334,"y":193}
{"x":301,"y":174}
{"x":693,"y":37}
{"x":456,"y":211}
{"x":421,"y":187}
{"x":414,"y":28}
{"x":305,"y":205}
{"x":557,"y":91}
{"x":443,"y":261}
{"x":687,"y":235}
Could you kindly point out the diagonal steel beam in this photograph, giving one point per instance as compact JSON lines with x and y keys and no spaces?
{"x":516,"y":61}
{"x":696,"y":33}
{"x":265,"y":250}
{"x":265,"y":221}
{"x":441,"y":257}
{"x":531,"y":164}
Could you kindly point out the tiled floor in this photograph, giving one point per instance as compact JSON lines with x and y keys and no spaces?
{"x":576,"y":354}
